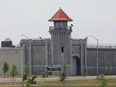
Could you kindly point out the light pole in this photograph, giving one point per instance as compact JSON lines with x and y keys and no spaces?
{"x":25,"y":36}
{"x":30,"y":60}
{"x":97,"y":53}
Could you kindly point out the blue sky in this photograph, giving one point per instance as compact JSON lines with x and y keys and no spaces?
{"x":30,"y":17}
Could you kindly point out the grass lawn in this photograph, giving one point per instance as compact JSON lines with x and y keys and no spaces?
{"x":75,"y":83}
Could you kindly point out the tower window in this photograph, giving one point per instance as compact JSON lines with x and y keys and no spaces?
{"x":62,"y":49}
{"x":60,"y":25}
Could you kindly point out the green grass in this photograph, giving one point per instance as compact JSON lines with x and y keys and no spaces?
{"x":75,"y":83}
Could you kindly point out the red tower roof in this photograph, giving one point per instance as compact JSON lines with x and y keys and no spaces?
{"x":60,"y":16}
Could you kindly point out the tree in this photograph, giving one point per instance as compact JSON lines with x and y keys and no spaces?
{"x":26,"y":75}
{"x":84,"y":73}
{"x":28,"y":83}
{"x":45,"y":73}
{"x":63,"y":75}
{"x":26,"y":72}
{"x":108,"y":68}
{"x":26,"y":69}
{"x":13,"y":72}
{"x":103,"y":80}
{"x":32,"y":80}
{"x":5,"y":68}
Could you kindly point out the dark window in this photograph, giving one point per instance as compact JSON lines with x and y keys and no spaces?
{"x":60,"y":24}
{"x":62,"y":49}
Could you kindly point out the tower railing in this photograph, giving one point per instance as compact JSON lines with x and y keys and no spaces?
{"x":60,"y":28}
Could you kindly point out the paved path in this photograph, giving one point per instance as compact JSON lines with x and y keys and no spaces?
{"x":53,"y":78}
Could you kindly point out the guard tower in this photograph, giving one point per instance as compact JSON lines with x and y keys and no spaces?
{"x":60,"y":39}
